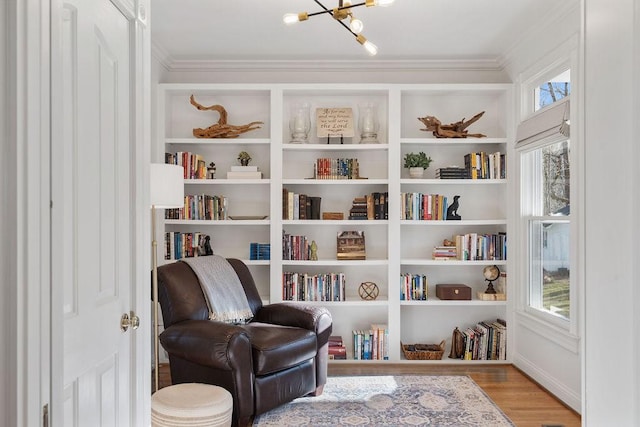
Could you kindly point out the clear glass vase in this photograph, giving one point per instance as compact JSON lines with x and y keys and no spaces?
{"x":368,"y":123}
{"x":299,"y":123}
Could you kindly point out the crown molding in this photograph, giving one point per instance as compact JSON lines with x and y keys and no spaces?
{"x":322,"y":65}
{"x":554,"y":17}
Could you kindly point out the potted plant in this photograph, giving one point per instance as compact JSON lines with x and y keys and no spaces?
{"x":244,"y":158}
{"x":416,"y":163}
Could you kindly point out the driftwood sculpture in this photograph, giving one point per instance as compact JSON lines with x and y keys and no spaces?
{"x":221,"y":129}
{"x":453,"y":130}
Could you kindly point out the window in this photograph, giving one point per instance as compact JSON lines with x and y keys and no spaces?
{"x":547,"y":219}
{"x":553,"y":90}
{"x":544,"y":151}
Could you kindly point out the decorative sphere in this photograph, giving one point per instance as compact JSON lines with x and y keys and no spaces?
{"x":368,"y":291}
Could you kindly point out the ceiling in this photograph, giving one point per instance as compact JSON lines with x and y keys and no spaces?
{"x":408,"y":30}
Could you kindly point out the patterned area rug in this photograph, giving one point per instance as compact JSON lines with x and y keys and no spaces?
{"x":391,"y":401}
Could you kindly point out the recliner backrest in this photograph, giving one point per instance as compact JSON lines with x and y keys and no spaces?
{"x":181,"y":296}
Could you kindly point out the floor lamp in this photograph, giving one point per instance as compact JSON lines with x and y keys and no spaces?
{"x":166,"y":191}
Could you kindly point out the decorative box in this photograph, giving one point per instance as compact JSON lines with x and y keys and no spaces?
{"x":453,"y":292}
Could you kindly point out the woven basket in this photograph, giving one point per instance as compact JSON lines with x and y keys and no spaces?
{"x":423,"y":351}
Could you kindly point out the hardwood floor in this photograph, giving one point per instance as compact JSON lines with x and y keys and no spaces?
{"x":524,"y":401}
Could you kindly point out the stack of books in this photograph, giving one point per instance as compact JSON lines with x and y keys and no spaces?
{"x":445,"y":253}
{"x":259,"y":251}
{"x":244,"y":172}
{"x":451,"y":172}
{"x":337,"y":350}
{"x":359,"y":208}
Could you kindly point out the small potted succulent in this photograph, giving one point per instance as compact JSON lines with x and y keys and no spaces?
{"x":416,"y":163}
{"x":244,"y":158}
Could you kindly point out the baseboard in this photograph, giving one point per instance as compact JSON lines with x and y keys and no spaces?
{"x":566,"y":396}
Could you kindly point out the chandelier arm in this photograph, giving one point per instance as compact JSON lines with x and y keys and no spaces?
{"x":331,"y":10}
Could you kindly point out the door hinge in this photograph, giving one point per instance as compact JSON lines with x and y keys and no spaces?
{"x":45,"y":415}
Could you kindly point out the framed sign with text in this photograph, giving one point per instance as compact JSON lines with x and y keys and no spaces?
{"x":334,"y":122}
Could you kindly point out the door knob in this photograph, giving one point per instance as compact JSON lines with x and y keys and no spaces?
{"x":129,"y":319}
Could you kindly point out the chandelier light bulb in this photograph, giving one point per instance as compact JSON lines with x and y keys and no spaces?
{"x":292,"y":18}
{"x":384,"y":3}
{"x":356,"y":25}
{"x":371,"y":48}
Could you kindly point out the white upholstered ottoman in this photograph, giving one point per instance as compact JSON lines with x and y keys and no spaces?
{"x":193,"y":405}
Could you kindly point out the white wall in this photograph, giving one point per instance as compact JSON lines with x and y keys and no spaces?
{"x":611,"y":372}
{"x":8,"y":379}
{"x":548,"y":354}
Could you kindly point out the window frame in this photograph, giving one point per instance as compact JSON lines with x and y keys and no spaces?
{"x":563,"y":332}
{"x":528,"y":179}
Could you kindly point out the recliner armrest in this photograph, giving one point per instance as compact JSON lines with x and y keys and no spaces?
{"x":209,"y":343}
{"x":310,"y":317}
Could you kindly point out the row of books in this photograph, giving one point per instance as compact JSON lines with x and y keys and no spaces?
{"x":474,"y":247}
{"x":300,"y":206}
{"x":370,"y":206}
{"x":296,"y":248}
{"x":487,"y":340}
{"x":194,"y":164}
{"x":313,"y":287}
{"x":420,"y":206}
{"x":480,"y":165}
{"x":414,"y":287}
{"x":259,"y":251}
{"x":326,"y":168}
{"x":183,"y":245}
{"x":371,"y":344}
{"x":202,"y":207}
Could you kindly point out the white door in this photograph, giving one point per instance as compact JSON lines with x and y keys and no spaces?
{"x":93,"y":215}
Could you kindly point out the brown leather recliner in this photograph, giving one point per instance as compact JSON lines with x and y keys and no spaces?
{"x":279,"y":356}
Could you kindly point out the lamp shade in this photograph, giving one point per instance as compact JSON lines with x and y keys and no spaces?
{"x":167,"y":185}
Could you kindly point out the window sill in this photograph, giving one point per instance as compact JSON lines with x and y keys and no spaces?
{"x":554,"y":333}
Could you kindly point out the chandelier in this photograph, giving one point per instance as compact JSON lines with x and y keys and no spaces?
{"x":340,"y":13}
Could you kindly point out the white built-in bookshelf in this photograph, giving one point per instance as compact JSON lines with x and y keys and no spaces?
{"x":394,"y":246}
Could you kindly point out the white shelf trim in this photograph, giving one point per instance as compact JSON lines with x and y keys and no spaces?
{"x":450,"y":223}
{"x":452,"y":181}
{"x":217,"y":141}
{"x":335,"y":147}
{"x":451,"y":263}
{"x":453,"y":141}
{"x":312,"y":181}
{"x":264,"y":181}
{"x":217,"y":222}
{"x":335,"y":262}
{"x":335,"y":222}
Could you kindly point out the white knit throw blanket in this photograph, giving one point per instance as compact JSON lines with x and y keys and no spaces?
{"x":222,"y":289}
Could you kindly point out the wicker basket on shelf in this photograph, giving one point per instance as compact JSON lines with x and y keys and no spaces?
{"x":423,"y":351}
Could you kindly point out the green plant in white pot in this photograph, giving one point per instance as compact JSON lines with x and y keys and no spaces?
{"x":416,"y":163}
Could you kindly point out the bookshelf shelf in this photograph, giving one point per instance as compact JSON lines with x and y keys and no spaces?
{"x":394,"y":246}
{"x":437,"y":302}
{"x":311,"y":181}
{"x":327,"y":222}
{"x":335,"y":262}
{"x":461,"y":223}
{"x":464,"y":182}
{"x":217,"y":141}
{"x":454,"y":142}
{"x":335,"y":147}
{"x":218,"y":222}
{"x":223,"y":181}
{"x":452,"y":263}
